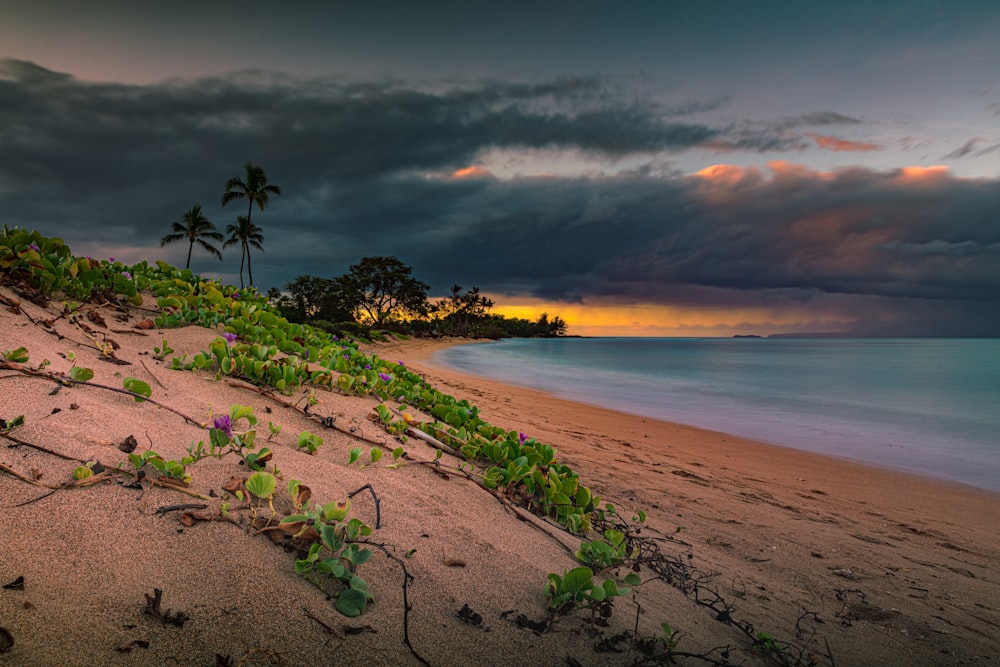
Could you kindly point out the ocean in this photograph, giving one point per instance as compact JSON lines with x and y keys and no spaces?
{"x":926,"y":406}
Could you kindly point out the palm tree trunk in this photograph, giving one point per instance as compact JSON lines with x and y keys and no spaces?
{"x":190,"y":248}
{"x":246,"y":246}
{"x":243,"y":252}
{"x":249,"y":266}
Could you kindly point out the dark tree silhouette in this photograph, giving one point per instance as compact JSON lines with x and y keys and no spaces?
{"x":382,"y":290}
{"x":246,"y":234}
{"x":253,"y":187}
{"x":196,"y":228}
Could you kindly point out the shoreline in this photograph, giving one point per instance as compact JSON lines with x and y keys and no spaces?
{"x":422,"y":352}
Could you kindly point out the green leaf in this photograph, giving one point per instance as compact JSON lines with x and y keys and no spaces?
{"x":359,"y":584}
{"x":261,"y":484}
{"x":336,"y":511}
{"x":361,"y":556}
{"x":80,"y":374}
{"x":82,"y":472}
{"x":611,"y":588}
{"x":578,"y":580}
{"x":632,"y":579}
{"x":355,"y":455}
{"x":351,"y":602}
{"x":376,"y":454}
{"x":332,"y":541}
{"x":137,"y":386}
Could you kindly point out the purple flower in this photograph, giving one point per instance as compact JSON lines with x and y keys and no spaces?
{"x":127,"y":275}
{"x":335,"y":337}
{"x":400,"y":363}
{"x":384,"y":377}
{"x":34,"y":247}
{"x":111,"y":259}
{"x":230,"y":337}
{"x":224,"y":424}
{"x":522,"y":437}
{"x":368,"y":367}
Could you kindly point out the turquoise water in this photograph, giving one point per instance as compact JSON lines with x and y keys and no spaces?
{"x":928,"y":406}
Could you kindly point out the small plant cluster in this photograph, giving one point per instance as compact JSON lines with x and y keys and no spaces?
{"x":333,"y":554}
{"x":577,"y":589}
{"x":227,"y":437}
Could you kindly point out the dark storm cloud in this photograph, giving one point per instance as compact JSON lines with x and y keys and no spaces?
{"x":915,"y":254}
{"x":366,"y":170}
{"x":143,"y":152}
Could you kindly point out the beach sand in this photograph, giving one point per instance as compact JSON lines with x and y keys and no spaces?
{"x":836,"y":559}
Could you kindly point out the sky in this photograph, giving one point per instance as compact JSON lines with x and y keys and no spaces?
{"x":638,"y":168}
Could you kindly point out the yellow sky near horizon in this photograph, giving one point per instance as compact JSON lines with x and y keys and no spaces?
{"x":595,"y":319}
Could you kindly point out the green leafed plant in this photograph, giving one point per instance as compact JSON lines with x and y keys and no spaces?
{"x":18,"y":356}
{"x":576,"y":589}
{"x":309,"y":442}
{"x":171,"y":469}
{"x":159,"y":353}
{"x":334,"y":555}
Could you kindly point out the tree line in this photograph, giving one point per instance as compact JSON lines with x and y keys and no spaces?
{"x":376,"y":293}
{"x":381,"y":293}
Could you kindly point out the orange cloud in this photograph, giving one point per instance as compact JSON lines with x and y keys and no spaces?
{"x":471,"y":172}
{"x":725,"y":174}
{"x":923,"y":173}
{"x":836,"y":144}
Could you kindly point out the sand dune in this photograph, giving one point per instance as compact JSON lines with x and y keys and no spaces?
{"x":828,"y":557}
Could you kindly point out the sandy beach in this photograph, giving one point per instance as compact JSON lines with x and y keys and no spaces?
{"x":839,"y":563}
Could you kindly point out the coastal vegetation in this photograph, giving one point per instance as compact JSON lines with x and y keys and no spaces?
{"x":380,"y":293}
{"x":270,"y":355}
{"x":377,"y":294}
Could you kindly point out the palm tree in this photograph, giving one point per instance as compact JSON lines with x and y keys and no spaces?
{"x":246,"y":234}
{"x":253,"y":186}
{"x":255,"y":189}
{"x":195,"y":228}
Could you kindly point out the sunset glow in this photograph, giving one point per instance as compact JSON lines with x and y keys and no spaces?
{"x":594,"y":319}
